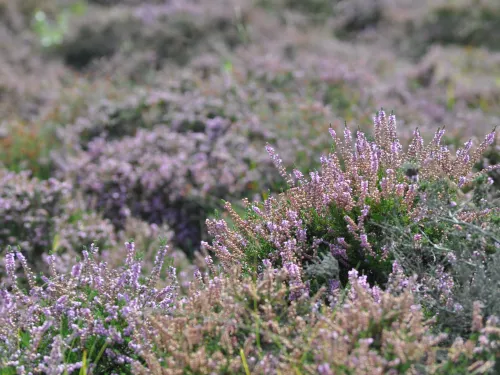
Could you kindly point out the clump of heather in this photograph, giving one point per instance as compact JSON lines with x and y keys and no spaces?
{"x":39,"y":216}
{"x":339,"y":211}
{"x":184,"y":105}
{"x":232,"y":323}
{"x":174,"y":173}
{"x":455,"y":253}
{"x":82,"y":319}
{"x":77,"y":226}
{"x":28,"y":208}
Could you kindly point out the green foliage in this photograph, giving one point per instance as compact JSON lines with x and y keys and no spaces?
{"x":51,"y":32}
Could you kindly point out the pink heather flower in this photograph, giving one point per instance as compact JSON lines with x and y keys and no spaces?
{"x":437,"y":137}
{"x":396,"y":148}
{"x":467,"y":145}
{"x":324,"y":369}
{"x":364,"y":187}
{"x":400,"y":189}
{"x":415,"y":308}
{"x":347,"y":135}
{"x":298,"y":174}
{"x":461,"y":181}
{"x":209,"y":261}
{"x":301,"y":235}
{"x":490,"y":138}
{"x":257,"y":210}
{"x":339,"y":252}
{"x":417,"y":237}
{"x":381,"y":116}
{"x":267,"y":263}
{"x":332,"y":133}
{"x":315,"y":177}
{"x":76,"y":270}
{"x":364,"y":240}
{"x":377,"y":294}
{"x":368,"y":341}
{"x":341,"y":241}
{"x":10,"y":266}
{"x":353,"y":275}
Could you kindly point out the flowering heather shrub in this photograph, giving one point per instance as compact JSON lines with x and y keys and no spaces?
{"x":164,"y":176}
{"x":28,"y":208}
{"x":77,"y":227}
{"x":183,"y":112}
{"x":85,"y":319}
{"x":455,"y":255}
{"x":340,"y":210}
{"x":208,"y":149}
{"x":41,"y":216}
{"x":229,"y":324}
{"x":101,"y":320}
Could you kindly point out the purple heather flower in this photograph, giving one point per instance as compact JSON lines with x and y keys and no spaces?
{"x":332,"y":133}
{"x":490,"y":138}
{"x":257,"y":210}
{"x":10,"y":267}
{"x":461,"y":181}
{"x":76,"y":270}
{"x":324,"y":369}
{"x":364,"y":240}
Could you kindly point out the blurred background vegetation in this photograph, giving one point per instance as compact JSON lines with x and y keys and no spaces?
{"x":157,"y":110}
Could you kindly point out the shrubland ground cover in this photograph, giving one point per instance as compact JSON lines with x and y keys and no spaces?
{"x":212,"y":187}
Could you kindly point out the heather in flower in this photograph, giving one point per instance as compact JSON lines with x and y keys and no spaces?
{"x":133,"y":121}
{"x":364,"y":184}
{"x":85,"y":318}
{"x":229,"y":323}
{"x":166,"y":157}
{"x":39,"y":216}
{"x":28,"y":211}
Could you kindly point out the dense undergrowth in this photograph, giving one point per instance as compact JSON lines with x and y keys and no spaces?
{"x":202,"y":187}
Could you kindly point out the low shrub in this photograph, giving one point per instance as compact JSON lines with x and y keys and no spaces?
{"x":338,"y":215}
{"x":38,"y":217}
{"x":100,"y":319}
{"x":83,"y":320}
{"x":165,"y":176}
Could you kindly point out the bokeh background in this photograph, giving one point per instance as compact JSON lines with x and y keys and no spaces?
{"x":136,"y":119}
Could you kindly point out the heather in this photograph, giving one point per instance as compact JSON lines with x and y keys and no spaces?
{"x":255,"y":187}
